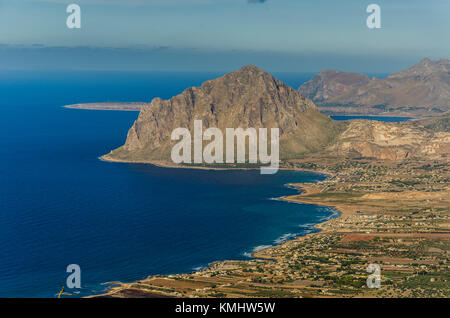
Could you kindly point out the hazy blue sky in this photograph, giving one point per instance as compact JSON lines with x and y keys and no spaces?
{"x":279,"y":35}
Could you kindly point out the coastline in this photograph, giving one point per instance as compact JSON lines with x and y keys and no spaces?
{"x":302,"y":188}
{"x":386,"y":209}
{"x":165,"y":164}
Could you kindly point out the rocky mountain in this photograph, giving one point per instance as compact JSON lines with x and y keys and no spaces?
{"x":421,"y":89}
{"x":246,"y":98}
{"x":330,"y":84}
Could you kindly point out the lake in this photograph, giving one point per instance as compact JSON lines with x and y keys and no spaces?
{"x":379,"y":118}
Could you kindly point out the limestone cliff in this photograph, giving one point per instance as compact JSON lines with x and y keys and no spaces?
{"x":424,"y":139}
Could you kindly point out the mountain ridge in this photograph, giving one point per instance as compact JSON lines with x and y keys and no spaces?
{"x":422,"y":89}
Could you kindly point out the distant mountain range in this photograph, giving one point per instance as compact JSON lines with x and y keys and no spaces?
{"x":423,"y":89}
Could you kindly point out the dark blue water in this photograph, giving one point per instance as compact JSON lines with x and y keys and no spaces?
{"x":60,"y":205}
{"x":379,"y":118}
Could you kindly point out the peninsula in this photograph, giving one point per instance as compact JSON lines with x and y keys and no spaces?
{"x":124,"y":106}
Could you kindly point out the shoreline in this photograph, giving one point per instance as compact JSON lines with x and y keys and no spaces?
{"x":165,"y":164}
{"x":302,"y":189}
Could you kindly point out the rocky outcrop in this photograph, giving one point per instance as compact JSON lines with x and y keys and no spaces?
{"x":394,"y":141}
{"x":246,"y":98}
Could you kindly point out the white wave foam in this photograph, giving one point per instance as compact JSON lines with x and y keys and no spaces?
{"x":285,"y":237}
{"x":306,"y":225}
{"x":261,"y":247}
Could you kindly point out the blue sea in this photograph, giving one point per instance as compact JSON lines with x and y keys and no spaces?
{"x":61,"y":205}
{"x":378,"y":118}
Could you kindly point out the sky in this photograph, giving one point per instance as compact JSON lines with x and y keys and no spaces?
{"x":221,"y":35}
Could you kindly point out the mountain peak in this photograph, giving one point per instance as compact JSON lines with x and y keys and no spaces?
{"x":425,"y":61}
{"x":337,"y":83}
{"x":425,"y":67}
{"x":250,"y":68}
{"x":329,"y":71}
{"x":250,"y":71}
{"x":249,"y":81}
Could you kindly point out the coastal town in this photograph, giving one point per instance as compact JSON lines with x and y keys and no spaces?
{"x":394,"y":215}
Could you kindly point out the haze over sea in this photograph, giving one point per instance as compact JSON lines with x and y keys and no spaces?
{"x":61,"y":205}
